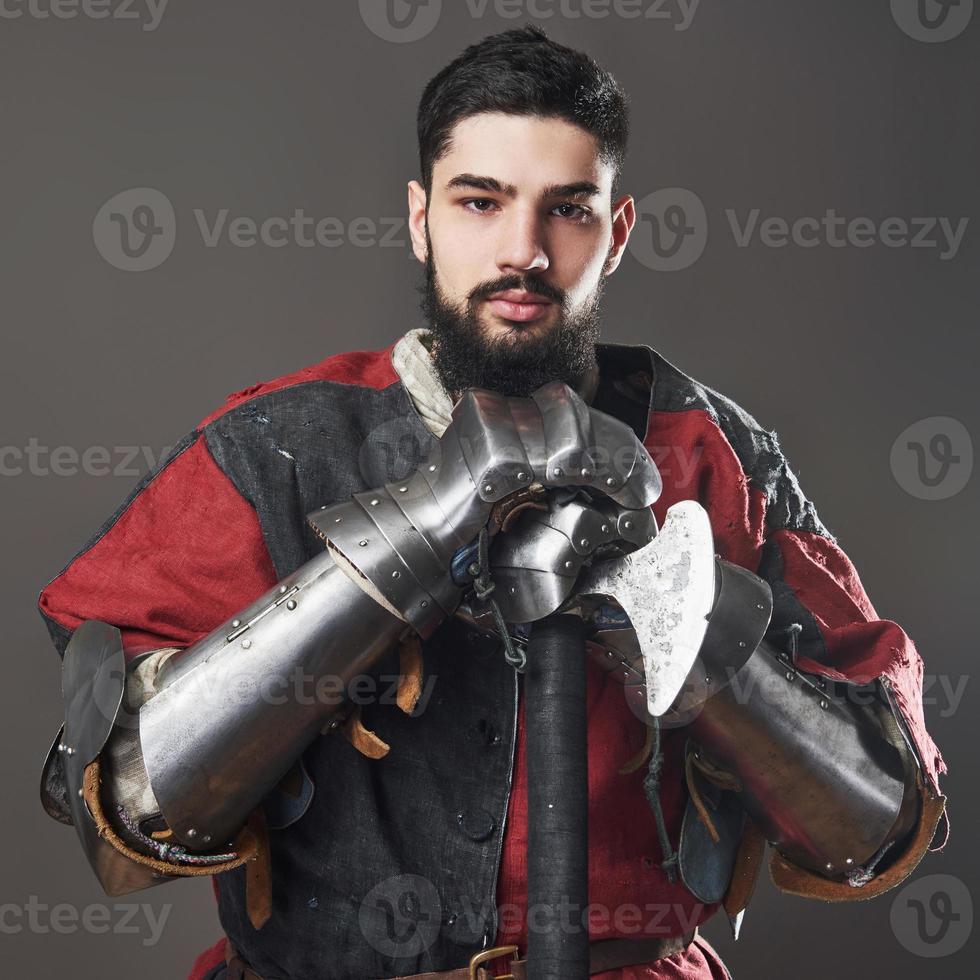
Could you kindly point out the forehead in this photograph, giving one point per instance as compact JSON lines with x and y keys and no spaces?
{"x":530,"y":152}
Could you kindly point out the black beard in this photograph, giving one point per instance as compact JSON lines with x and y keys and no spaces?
{"x":519,"y":365}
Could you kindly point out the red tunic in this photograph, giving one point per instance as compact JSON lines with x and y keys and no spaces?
{"x":170,"y":564}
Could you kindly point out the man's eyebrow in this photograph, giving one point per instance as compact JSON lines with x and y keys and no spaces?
{"x":580,"y":188}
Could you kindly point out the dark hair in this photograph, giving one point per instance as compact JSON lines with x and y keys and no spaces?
{"x":523,"y":72}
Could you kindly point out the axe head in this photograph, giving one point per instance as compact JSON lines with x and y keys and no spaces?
{"x":667,"y":589}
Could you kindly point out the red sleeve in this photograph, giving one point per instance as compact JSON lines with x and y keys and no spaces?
{"x":859,"y":645}
{"x":182,"y":553}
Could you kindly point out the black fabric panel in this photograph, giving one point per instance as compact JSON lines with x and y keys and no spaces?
{"x":757,"y":449}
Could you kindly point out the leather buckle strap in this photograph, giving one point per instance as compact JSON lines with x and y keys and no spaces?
{"x":604,"y":954}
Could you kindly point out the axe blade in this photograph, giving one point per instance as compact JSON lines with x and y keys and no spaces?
{"x":667,"y":589}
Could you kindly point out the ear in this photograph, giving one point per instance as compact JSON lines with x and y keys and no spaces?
{"x":624,"y":217}
{"x":416,"y":218}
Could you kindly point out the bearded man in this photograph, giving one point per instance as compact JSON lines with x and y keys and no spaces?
{"x":405,"y":514}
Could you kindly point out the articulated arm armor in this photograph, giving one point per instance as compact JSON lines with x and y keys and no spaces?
{"x":822,"y":768}
{"x":223,"y":722}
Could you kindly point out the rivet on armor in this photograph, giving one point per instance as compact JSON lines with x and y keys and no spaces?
{"x":522,"y":475}
{"x":584,"y":542}
{"x":69,"y":750}
{"x":61,"y":746}
{"x":236,"y":622}
{"x":396,"y":574}
{"x":823,"y":704}
{"x":363,"y":542}
{"x":707,"y":680}
{"x":512,"y":590}
{"x":337,"y":520}
{"x":206,"y":839}
{"x":741,"y":643}
{"x":282,"y":588}
{"x":559,"y":471}
{"x":789,"y":675}
{"x":80,"y":792}
{"x":569,"y":564}
{"x":291,"y":604}
{"x":627,"y":524}
{"x":488,"y":488}
{"x":192,"y":832}
{"x":402,"y":489}
{"x":424,"y":603}
{"x":610,"y":481}
{"x":848,"y":861}
{"x":375,"y":502}
{"x":829,"y":866}
{"x":246,"y":644}
{"x":610,"y":654}
{"x":758,"y":605}
{"x":586,"y":473}
{"x":604,"y":529}
{"x":432,"y":468}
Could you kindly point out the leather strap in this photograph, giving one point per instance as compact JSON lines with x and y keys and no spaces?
{"x":604,"y":954}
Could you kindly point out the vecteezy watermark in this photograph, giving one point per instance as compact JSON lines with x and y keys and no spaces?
{"x":932,"y":459}
{"x":933,"y":916}
{"x":229,"y":683}
{"x":672,"y":231}
{"x":932,"y":21}
{"x":121,"y":918}
{"x":835,"y":231}
{"x":402,"y":21}
{"x":35,"y":459}
{"x":404,"y":914}
{"x":401,"y":916}
{"x":149,"y":13}
{"x":136,"y":230}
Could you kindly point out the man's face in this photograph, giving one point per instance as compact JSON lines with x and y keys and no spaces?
{"x":517,"y":237}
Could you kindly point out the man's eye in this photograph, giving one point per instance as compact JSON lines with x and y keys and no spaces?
{"x":478,"y":200}
{"x":577,"y":211}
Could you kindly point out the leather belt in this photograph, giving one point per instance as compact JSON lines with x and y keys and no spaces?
{"x":604,"y":954}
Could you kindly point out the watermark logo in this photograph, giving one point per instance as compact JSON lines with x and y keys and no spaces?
{"x":135,"y":230}
{"x":932,"y":459}
{"x":933,"y":916}
{"x":400,"y":21}
{"x":932,"y":21}
{"x":401,"y":916}
{"x":149,"y":13}
{"x":123,"y":918}
{"x":836,"y":231}
{"x":672,"y":229}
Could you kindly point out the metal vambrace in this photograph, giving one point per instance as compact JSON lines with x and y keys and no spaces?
{"x":231,"y":713}
{"x":388,"y":564}
{"x":821,"y":766}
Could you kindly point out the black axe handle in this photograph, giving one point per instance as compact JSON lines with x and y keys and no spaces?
{"x":558,"y":800}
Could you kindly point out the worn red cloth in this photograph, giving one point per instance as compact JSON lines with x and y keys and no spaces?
{"x":186,"y":551}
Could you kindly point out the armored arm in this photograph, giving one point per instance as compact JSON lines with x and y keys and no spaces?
{"x":211,"y":729}
{"x":824,"y":768}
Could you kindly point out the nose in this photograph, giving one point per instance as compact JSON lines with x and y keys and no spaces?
{"x":521,"y":246}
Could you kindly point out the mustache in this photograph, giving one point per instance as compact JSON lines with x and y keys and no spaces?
{"x":529,"y":283}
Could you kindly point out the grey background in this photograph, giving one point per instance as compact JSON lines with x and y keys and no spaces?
{"x":266,"y":108}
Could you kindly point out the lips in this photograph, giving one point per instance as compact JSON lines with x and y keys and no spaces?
{"x":515,"y":304}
